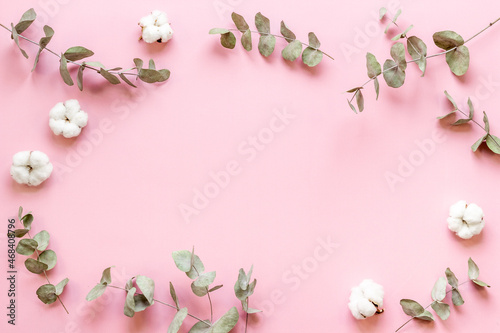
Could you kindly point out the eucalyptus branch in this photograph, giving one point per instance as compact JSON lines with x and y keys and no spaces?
{"x":73,"y":54}
{"x":311,"y":55}
{"x":394,"y":71}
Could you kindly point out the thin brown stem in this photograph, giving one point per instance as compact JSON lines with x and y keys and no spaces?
{"x":481,"y":126}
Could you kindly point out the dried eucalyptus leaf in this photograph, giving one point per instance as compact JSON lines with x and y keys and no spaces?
{"x":199,"y":291}
{"x":141,"y":303}
{"x":493,"y":143}
{"x":266,"y":45}
{"x":473,"y":269}
{"x":439,"y":290}
{"x":151,"y":64}
{"x":205,"y":279}
{"x":228,"y":40}
{"x":42,"y":238}
{"x":130,"y":283}
{"x":411,"y":308}
{"x":481,"y":283}
{"x":200,"y":327}
{"x":20,"y":213}
{"x":456,"y":297}
{"x":313,"y":41}
{"x":382,"y":12}
{"x":35,"y":266}
{"x":354,"y":89}
{"x":60,"y":286}
{"x":446,"y":115}
{"x":196,"y":269}
{"x":426,"y":316}
{"x":113,"y":79}
{"x":127,"y":81}
{"x":147,"y":286}
{"x":77,"y":53}
{"x":242,"y":279}
{"x":27,"y":220}
{"x":182,"y":260}
{"x":49,"y":258}
{"x":28,"y":17}
{"x":311,"y":57}
{"x":20,"y":232}
{"x":44,"y":41}
{"x":262,"y":23}
{"x":458,"y":60}
{"x":106,"y":276}
{"x":360,"y":101}
{"x":138,"y":64}
{"x":372,"y":66}
{"x":377,"y":87}
{"x":398,"y":54}
{"x":79,"y":77}
{"x":246,"y":40}
{"x":451,"y":100}
{"x":63,"y":69}
{"x":394,"y":19}
{"x":452,"y":279}
{"x":226,"y":323}
{"x":393,"y":75}
{"x":164,"y":75}
{"x":460,"y":122}
{"x":292,"y":51}
{"x":179,"y":317}
{"x":447,"y":39}
{"x":243,"y":294}
{"x":240,"y":22}
{"x":96,"y":292}
{"x":403,"y":34}
{"x":351,"y":106}
{"x":15,"y":36}
{"x":26,"y":247}
{"x":486,"y":123}
{"x":129,"y":307}
{"x":47,"y":293}
{"x":173,"y":294}
{"x":153,"y":76}
{"x":442,"y":309}
{"x":217,"y":31}
{"x":287,"y":33}
{"x":478,"y":143}
{"x":471,"y":108}
{"x":418,"y":52}
{"x":215,"y":288}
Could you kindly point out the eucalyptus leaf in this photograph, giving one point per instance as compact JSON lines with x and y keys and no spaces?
{"x":486,"y":123}
{"x":26,"y":247}
{"x":196,"y":269}
{"x":313,"y":41}
{"x":471,"y":108}
{"x":20,"y":212}
{"x":426,"y":316}
{"x":442,"y":309}
{"x":266,"y":45}
{"x":372,"y":66}
{"x":130,"y":283}
{"x":141,"y":303}
{"x":60,"y":286}
{"x":106,"y":276}
{"x":49,"y":258}
{"x":439,"y":290}
{"x":215,"y":288}
{"x":451,"y":100}
{"x":351,"y":106}
{"x":20,"y":232}
{"x":35,"y":266}
{"x":418,"y":52}
{"x":447,"y":39}
{"x":27,"y":220}
{"x":311,"y":57}
{"x":287,"y":33}
{"x":47,"y":293}
{"x":15,"y":36}
{"x":473,"y":269}
{"x":79,"y":77}
{"x":151,"y":64}
{"x":113,"y":79}
{"x":243,"y":294}
{"x":173,"y":294}
{"x":461,"y":121}
{"x":481,"y":283}
{"x":96,"y":292}
{"x":63,"y":69}
{"x":456,"y":297}
{"x":242,"y":279}
{"x":42,"y":238}
{"x":147,"y":286}
{"x":395,"y":18}
{"x":377,"y":87}
{"x":262,"y":23}
{"x":129,"y":307}
{"x":240,"y":22}
{"x":394,"y":70}
{"x":226,"y":323}
{"x":217,"y":31}
{"x":382,"y":12}
{"x":411,"y":308}
{"x":28,"y":17}
{"x":179,"y":317}
{"x":478,"y":143}
{"x":199,"y":291}
{"x":200,"y":327}
{"x":292,"y":51}
{"x":182,"y":260}
{"x":44,"y":41}
{"x":246,"y":40}
{"x":138,"y":64}
{"x":446,"y":115}
{"x":127,"y":81}
{"x":76,"y":53}
{"x":458,"y":60}
{"x":493,"y":143}
{"x":360,"y":101}
{"x":452,"y":279}
{"x":228,"y":40}
{"x":153,"y":76}
{"x":403,"y":34}
{"x":205,"y":279}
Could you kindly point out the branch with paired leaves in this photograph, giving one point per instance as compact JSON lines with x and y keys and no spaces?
{"x":492,"y":141}
{"x":438,"y":294}
{"x":45,"y":259}
{"x":394,"y":70}
{"x":76,"y":53}
{"x":311,"y":55}
{"x":140,"y":294}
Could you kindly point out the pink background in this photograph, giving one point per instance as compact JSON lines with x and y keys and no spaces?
{"x":114,"y":196}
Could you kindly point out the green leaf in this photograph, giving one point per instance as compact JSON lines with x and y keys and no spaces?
{"x":242,"y":279}
{"x":130,"y":283}
{"x":313,"y":41}
{"x":129,"y":307}
{"x":153,"y":76}
{"x":182,"y":260}
{"x":456,"y":297}
{"x":287,"y":33}
{"x":493,"y":143}
{"x":460,"y":122}
{"x":394,"y":19}
{"x":382,"y":12}
{"x":228,"y":40}
{"x":63,"y":69}
{"x":452,"y":279}
{"x":418,"y":52}
{"x":262,"y":23}
{"x":426,"y":316}
{"x":411,"y":308}
{"x":27,"y":220}
{"x":292,"y":51}
{"x":205,"y":279}
{"x":77,"y":53}
{"x":127,"y":81}
{"x":60,"y":286}
{"x":44,"y":41}
{"x":215,"y":288}
{"x":20,"y":213}
{"x":311,"y":57}
{"x":471,"y":108}
{"x":141,"y":303}
{"x":451,"y":100}
{"x":106,"y":276}
{"x":97,"y":64}
{"x":486,"y":123}
{"x":473,"y":269}
{"x":138,"y":64}
{"x":113,"y":79}
{"x":42,"y":238}
{"x":147,"y":286}
{"x":377,"y":87}
{"x":79,"y":77}
{"x":96,"y":292}
{"x":446,"y":115}
{"x":49,"y":258}
{"x":394,"y":71}
{"x":226,"y":323}
{"x":199,"y":291}
{"x":243,"y":294}
{"x":26,"y":247}
{"x":151,"y":64}
{"x":478,"y":143}
{"x":35,"y":266}
{"x":403,"y":34}
{"x":351,"y":106}
{"x":179,"y":317}
{"x":240,"y":22}
{"x":218,"y":31}
{"x":246,"y":40}
{"x":481,"y":283}
{"x":372,"y":66}
{"x":197,"y":268}
{"x":164,"y":75}
{"x":439,"y":290}
{"x":447,"y":39}
{"x":15,"y":36}
{"x":266,"y":44}
{"x":20,"y":232}
{"x":47,"y":293}
{"x":173,"y":294}
{"x":28,"y":17}
{"x":442,"y":309}
{"x":360,"y":101}
{"x":200,"y":327}
{"x":458,"y":60}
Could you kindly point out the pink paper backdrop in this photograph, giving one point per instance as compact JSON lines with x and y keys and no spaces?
{"x":316,"y":177}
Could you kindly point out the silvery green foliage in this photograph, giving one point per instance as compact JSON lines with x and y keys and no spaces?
{"x":311,"y":54}
{"x":438,"y":294}
{"x":44,"y":259}
{"x":394,"y":70}
{"x":492,"y":141}
{"x":74,"y":54}
{"x":244,"y":288}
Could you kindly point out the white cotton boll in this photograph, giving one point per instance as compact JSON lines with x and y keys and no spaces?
{"x":366,"y":299}
{"x":458,"y":209}
{"x":155,"y":27}
{"x":465,"y":233}
{"x":473,"y":214}
{"x":355,"y":311}
{"x":147,"y":20}
{"x":30,"y":167}
{"x":455,"y":223}
{"x":366,"y":308}
{"x":166,"y":33}
{"x":476,"y":229}
{"x":67,"y":119}
{"x":151,"y":34}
